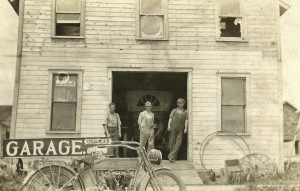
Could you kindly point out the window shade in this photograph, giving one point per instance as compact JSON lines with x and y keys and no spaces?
{"x":233,"y":91}
{"x":72,"y":6}
{"x":151,"y":7}
{"x":230,"y":8}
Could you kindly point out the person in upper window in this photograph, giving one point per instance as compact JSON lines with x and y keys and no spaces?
{"x":112,"y":126}
{"x":177,"y":125}
{"x":146,"y":126}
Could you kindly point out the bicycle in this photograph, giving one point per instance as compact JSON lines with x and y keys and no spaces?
{"x":120,"y":174}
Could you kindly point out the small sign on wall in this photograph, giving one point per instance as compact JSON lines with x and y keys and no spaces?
{"x":15,"y":148}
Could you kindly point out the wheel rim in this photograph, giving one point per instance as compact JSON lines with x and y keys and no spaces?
{"x":238,"y":143}
{"x":54,"y":180}
{"x":258,"y":165}
{"x":167,"y":183}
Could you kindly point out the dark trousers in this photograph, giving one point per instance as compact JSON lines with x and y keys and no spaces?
{"x":176,"y":137}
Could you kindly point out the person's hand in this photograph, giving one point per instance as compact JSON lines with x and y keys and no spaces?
{"x":169,"y":128}
{"x":107,"y":135}
{"x":120,"y":135}
{"x":185,"y":130}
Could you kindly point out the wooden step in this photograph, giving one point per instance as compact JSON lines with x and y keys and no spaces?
{"x":213,"y":188}
{"x":186,"y":170}
{"x":179,"y":165}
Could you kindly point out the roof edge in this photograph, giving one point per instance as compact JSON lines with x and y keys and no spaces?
{"x":283,"y":6}
{"x":15,"y":5}
{"x":289,"y":103}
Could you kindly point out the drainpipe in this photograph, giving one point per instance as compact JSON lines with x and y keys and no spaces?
{"x":12,"y":133}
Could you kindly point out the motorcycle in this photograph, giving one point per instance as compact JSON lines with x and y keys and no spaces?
{"x":100,"y":173}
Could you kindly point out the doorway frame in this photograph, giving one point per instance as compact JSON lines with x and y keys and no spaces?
{"x":189,"y":72}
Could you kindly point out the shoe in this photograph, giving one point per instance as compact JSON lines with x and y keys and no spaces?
{"x":171,"y":160}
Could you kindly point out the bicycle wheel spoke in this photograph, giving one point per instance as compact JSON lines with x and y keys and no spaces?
{"x":58,"y":175}
{"x":67,"y":184}
{"x":250,"y":163}
{"x":38,"y":187}
{"x":70,"y":187}
{"x":45,"y":177}
{"x":254,"y":160}
{"x":264,"y":161}
{"x":52,"y":175}
{"x":63,"y":180}
{"x":260,"y":159}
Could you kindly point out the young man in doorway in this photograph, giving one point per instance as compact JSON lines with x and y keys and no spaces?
{"x":112,"y":126}
{"x":177,"y":125}
{"x":146,"y":126}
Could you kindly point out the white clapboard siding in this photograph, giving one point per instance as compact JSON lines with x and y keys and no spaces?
{"x":110,"y":43}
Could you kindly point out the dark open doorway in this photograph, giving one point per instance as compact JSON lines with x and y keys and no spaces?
{"x":130,"y":91}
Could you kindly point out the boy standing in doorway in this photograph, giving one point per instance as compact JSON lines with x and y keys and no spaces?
{"x":146,"y":126}
{"x":112,"y":126}
{"x":178,"y":122}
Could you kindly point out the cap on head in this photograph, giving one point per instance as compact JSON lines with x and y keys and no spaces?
{"x":111,"y":104}
{"x":180,"y":100}
{"x":148,"y":103}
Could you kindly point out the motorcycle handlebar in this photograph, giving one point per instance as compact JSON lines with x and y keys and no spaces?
{"x":125,"y":143}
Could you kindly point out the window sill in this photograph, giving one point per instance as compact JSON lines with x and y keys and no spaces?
{"x":68,"y":37}
{"x":63,"y":132}
{"x":151,"y":39}
{"x":231,"y":39}
{"x":229,"y":134}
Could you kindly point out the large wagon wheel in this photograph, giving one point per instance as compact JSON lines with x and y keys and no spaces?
{"x":258,"y":165}
{"x":239,"y":141}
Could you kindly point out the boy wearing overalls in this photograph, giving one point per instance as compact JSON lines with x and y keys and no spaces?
{"x":178,"y":126}
{"x":146,"y":126}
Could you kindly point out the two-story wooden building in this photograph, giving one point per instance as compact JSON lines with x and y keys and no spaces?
{"x":8,"y":53}
{"x":222,"y":56}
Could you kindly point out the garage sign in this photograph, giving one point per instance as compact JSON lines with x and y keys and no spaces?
{"x":56,"y":147}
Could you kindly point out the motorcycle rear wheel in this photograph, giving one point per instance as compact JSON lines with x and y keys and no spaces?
{"x":167,"y":180}
{"x":53,"y":178}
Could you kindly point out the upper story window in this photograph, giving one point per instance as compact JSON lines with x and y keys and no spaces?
{"x":67,"y":18}
{"x":152,"y":20}
{"x":231,"y":23}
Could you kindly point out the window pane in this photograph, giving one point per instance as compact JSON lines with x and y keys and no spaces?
{"x":63,"y":117}
{"x":230,"y":27}
{"x":65,"y":91}
{"x":66,"y":29}
{"x":151,"y":26}
{"x":68,"y":5}
{"x":68,"y":18}
{"x":230,"y":7}
{"x":233,"y":118}
{"x":151,"y":7}
{"x":233,"y":91}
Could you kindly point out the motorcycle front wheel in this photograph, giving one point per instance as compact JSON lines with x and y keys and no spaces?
{"x":167,"y":180}
{"x":53,"y":178}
